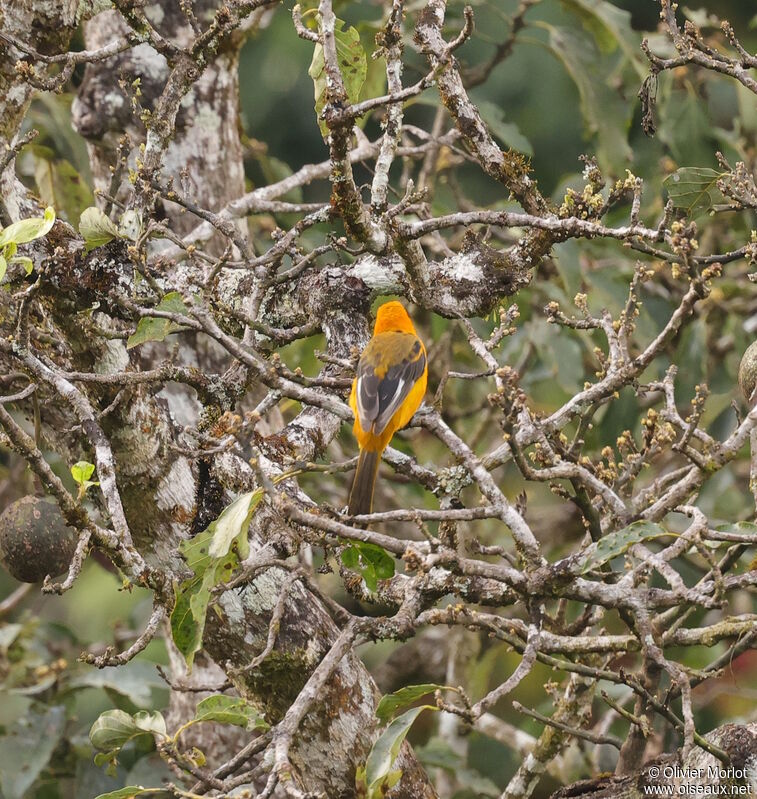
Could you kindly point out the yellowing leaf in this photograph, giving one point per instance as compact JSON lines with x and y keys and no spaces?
{"x":27,"y":230}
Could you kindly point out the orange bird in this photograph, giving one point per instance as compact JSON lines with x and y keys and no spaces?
{"x":389,"y":388}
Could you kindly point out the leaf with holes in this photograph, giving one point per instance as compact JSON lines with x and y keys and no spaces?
{"x":230,"y":710}
{"x":155,"y":328}
{"x":372,"y":562}
{"x":694,"y":188}
{"x":353,"y":66}
{"x":615,"y":544}
{"x":212,"y":555}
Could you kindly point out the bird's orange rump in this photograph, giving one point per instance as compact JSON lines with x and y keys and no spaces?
{"x":389,"y":387}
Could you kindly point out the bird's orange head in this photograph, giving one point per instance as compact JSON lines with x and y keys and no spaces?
{"x":392,"y":317}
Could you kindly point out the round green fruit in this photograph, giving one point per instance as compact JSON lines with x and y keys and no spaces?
{"x":35,"y":540}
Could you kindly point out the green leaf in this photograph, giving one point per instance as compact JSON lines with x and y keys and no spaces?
{"x":738,"y":528}
{"x":59,"y":184}
{"x":213,"y":555}
{"x":370,"y":578}
{"x":605,"y":112}
{"x":389,"y":704}
{"x":27,"y":747}
{"x":230,"y":710}
{"x":615,"y":544}
{"x":112,"y":730}
{"x":82,"y":471}
{"x":379,"y":558}
{"x":378,"y":766}
{"x":372,"y":562}
{"x":128,"y":792}
{"x":3,"y":266}
{"x":27,"y":230}
{"x":351,"y":557}
{"x":611,"y":28}
{"x":186,"y":631}
{"x":353,"y":66}
{"x":152,"y":328}
{"x":96,"y":228}
{"x":507,"y":132}
{"x":694,"y":188}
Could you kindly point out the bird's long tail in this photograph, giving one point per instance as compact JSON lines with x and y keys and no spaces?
{"x":361,"y":496}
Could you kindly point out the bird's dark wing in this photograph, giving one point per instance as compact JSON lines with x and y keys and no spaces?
{"x":389,"y":367}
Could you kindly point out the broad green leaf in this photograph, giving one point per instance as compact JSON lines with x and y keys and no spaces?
{"x":3,"y":266}
{"x":507,"y":132}
{"x":694,"y":188}
{"x":611,"y":28}
{"x":229,"y":710}
{"x":732,"y":528}
{"x":232,"y":525}
{"x":378,"y":766}
{"x":353,"y":66}
{"x":371,"y":561}
{"x":389,"y":704}
{"x":212,"y":555}
{"x":27,"y":230}
{"x":185,"y":630}
{"x":96,"y":228}
{"x":379,"y":558}
{"x":112,"y":730}
{"x":684,"y":125}
{"x":370,"y":578}
{"x":26,"y":749}
{"x":351,"y":557}
{"x":60,"y":185}
{"x":153,"y":328}
{"x":615,"y":544}
{"x":738,"y":528}
{"x":604,"y":111}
